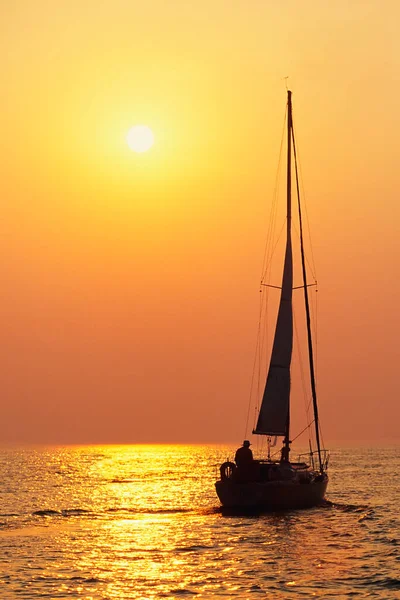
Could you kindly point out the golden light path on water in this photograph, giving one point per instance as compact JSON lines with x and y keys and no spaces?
{"x":137,"y":522}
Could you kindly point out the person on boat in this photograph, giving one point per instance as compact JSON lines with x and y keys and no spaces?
{"x":285,"y":454}
{"x":247,"y":468}
{"x":244,"y":456}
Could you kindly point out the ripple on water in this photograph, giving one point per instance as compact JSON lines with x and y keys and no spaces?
{"x":128,"y":523}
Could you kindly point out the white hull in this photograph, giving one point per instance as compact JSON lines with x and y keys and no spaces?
{"x":271,"y":495}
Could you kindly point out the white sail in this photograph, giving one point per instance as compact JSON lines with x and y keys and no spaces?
{"x":273,"y":416}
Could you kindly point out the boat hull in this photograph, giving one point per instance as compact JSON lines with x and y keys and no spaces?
{"x":271,"y":495}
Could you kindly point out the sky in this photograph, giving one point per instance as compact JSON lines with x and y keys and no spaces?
{"x":130,"y":282}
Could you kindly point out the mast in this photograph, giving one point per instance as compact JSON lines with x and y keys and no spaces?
{"x":308,"y":319}
{"x":286,"y":441}
{"x":273,"y":417}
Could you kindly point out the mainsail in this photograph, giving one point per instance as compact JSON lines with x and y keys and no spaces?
{"x":273,"y":418}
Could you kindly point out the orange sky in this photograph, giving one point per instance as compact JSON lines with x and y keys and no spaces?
{"x":129,"y":297}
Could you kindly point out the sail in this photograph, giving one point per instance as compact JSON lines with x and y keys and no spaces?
{"x":273,"y":416}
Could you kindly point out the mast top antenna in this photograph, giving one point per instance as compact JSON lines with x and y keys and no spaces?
{"x":286,"y":82}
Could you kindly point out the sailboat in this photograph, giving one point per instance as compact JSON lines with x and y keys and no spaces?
{"x":280,"y":483}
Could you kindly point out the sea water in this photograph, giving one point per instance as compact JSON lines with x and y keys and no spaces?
{"x":143,"y":522}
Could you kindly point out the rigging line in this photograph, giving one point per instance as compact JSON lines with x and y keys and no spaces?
{"x":266,"y":341}
{"x":314,"y":318}
{"x":263,"y":337}
{"x":315,"y":324}
{"x":258,"y":361}
{"x":263,"y":347}
{"x":309,"y":264}
{"x":303,"y":195}
{"x":307,"y":308}
{"x":261,"y":340}
{"x":270,"y":227}
{"x":272,"y":215}
{"x":276,"y":453}
{"x":265,"y":277}
{"x":269,"y":251}
{"x":273,"y":211}
{"x":270,"y":237}
{"x":301,"y":432}
{"x":249,"y":404}
{"x":323,"y":442}
{"x":301,"y":366}
{"x":271,"y":241}
{"x":256,"y":354}
{"x":280,"y":163}
{"x":260,"y":345}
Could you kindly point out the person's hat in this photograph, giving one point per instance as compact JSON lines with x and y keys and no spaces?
{"x":246,"y":443}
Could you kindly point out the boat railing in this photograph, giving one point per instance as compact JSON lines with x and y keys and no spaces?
{"x":313,"y":459}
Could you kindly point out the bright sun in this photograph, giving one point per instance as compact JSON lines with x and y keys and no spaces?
{"x":140,"y":138}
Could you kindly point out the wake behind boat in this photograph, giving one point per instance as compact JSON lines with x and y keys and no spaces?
{"x":280,"y":483}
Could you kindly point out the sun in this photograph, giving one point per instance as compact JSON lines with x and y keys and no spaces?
{"x":140,"y":138}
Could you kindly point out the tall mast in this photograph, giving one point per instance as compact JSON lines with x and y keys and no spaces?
{"x":308,"y":319}
{"x":273,"y":418}
{"x":286,"y":441}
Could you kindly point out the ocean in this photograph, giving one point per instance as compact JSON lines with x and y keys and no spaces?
{"x":143,"y":522}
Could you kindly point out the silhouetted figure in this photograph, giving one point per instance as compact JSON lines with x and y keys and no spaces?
{"x":285,"y":454}
{"x":244,"y":456}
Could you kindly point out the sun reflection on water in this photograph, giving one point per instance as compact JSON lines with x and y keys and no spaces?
{"x":136,"y":522}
